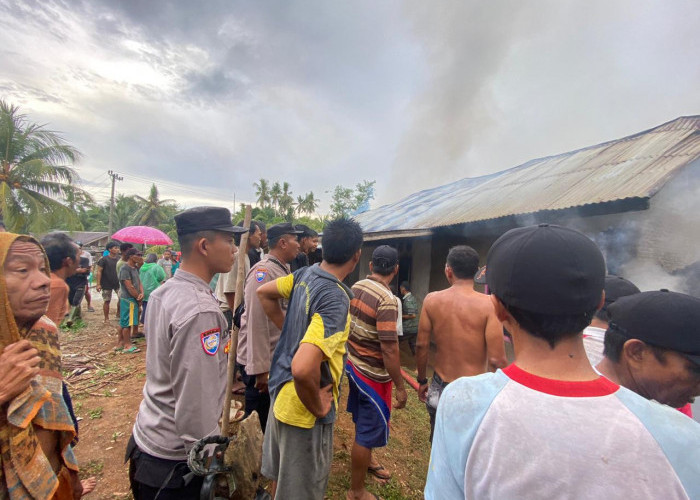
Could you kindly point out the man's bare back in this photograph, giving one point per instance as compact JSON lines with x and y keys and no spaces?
{"x":463,"y":325}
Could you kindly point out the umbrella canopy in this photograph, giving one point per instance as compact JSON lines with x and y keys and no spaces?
{"x":143,"y":234}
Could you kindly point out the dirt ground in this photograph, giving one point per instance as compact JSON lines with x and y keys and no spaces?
{"x":106,"y":389}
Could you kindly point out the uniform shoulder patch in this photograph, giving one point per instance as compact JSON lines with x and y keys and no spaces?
{"x":211,"y":339}
{"x":260,"y":274}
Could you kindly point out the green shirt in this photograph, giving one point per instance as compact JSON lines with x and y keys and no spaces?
{"x":410,"y":306}
{"x":152,"y":275}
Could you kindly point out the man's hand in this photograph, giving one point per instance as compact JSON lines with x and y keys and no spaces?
{"x":98,"y":288}
{"x":261,"y":381}
{"x":401,"y":398}
{"x":325,"y":394}
{"x":423,"y":391}
{"x":19,"y":364}
{"x":139,"y":297}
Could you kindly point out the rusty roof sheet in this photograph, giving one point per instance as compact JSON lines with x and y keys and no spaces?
{"x":633,"y":167}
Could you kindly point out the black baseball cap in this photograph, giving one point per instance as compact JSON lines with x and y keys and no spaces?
{"x":617,"y":287}
{"x":546,"y":269}
{"x":274,"y":232}
{"x":306,"y":231}
{"x":384,"y":258}
{"x":206,"y":219}
{"x":669,"y":320}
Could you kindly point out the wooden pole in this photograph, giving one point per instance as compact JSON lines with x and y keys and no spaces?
{"x":231,"y":371}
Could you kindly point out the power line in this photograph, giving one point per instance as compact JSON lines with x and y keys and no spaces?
{"x":181,"y":187}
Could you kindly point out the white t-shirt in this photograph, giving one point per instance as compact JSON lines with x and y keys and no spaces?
{"x":593,"y":338}
{"x":512,"y":434}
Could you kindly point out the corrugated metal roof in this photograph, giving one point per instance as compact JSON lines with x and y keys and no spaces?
{"x":633,"y":167}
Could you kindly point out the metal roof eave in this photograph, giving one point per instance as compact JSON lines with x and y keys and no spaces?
{"x":389,"y":235}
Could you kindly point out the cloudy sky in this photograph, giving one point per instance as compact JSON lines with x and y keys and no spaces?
{"x":204,"y":98}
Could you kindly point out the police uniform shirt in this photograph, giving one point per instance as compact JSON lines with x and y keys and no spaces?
{"x":258,"y":335}
{"x":185,"y":368}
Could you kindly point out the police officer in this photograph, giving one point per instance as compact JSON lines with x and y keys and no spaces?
{"x":185,"y":361}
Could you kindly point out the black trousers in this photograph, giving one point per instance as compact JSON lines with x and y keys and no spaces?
{"x":149,"y":474}
{"x":254,"y":399}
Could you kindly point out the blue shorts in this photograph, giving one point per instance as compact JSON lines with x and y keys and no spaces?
{"x":370,"y":412}
{"x":129,"y":312}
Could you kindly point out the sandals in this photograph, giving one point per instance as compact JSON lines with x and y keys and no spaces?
{"x":131,"y":350}
{"x":379,"y":472}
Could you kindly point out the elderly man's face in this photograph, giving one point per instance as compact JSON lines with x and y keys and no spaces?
{"x":27,"y":282}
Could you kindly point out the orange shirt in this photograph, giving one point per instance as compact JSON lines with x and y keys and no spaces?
{"x":58,"y":303}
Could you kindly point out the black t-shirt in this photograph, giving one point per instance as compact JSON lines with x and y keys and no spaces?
{"x":301,"y":260}
{"x":109,"y":279}
{"x":80,"y":278}
{"x":254,"y":256}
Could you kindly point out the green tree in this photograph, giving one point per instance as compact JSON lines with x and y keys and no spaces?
{"x":309,"y":203}
{"x":347,"y":201}
{"x":286,"y":202}
{"x":124,"y":209}
{"x":275,"y":194}
{"x":153,"y":210}
{"x":36,"y":175}
{"x":262,"y":191}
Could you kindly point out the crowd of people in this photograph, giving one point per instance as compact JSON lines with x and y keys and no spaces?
{"x":589,"y":407}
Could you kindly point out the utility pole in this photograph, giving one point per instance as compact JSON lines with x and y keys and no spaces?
{"x":115,"y":177}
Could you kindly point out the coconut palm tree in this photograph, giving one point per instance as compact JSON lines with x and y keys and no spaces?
{"x":310,"y":203}
{"x":275,"y":193}
{"x":153,"y":210}
{"x":286,"y":201}
{"x":262,"y":191}
{"x":301,"y":206}
{"x":36,"y":175}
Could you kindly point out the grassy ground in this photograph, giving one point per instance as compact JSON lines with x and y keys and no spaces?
{"x":107,"y":396}
{"x":406,"y":456}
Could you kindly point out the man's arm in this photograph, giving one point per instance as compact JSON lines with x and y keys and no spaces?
{"x":270,"y":295}
{"x":495,"y":348}
{"x":306,"y":371}
{"x":131,"y":288}
{"x":98,"y":277}
{"x":392,"y":364}
{"x":19,"y":364}
{"x":425,"y":329}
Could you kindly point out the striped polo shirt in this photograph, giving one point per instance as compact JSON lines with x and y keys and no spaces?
{"x":374,"y":313}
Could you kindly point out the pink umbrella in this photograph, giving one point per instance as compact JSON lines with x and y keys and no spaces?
{"x":143,"y":234}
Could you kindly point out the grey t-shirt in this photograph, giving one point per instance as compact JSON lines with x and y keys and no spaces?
{"x":128,"y":273}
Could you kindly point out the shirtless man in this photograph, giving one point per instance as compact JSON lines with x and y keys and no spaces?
{"x":463,"y":325}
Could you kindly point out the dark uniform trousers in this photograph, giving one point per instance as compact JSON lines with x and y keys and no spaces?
{"x":152,"y":477}
{"x":254,"y":399}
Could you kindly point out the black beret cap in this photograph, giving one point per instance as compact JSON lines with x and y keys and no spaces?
{"x":663,"y":319}
{"x":206,"y":219}
{"x":546,"y":269}
{"x":281,"y":229}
